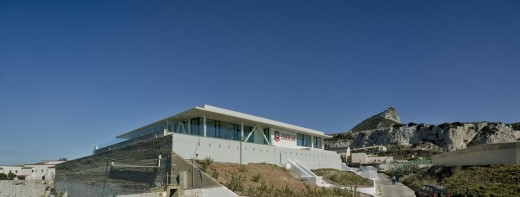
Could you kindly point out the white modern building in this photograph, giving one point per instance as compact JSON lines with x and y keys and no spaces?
{"x":230,"y":136}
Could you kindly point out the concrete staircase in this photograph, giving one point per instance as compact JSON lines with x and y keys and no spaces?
{"x":304,"y":173}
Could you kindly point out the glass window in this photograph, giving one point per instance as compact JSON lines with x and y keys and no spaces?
{"x":227,"y":130}
{"x":224,"y":130}
{"x":247,"y":131}
{"x":307,"y":140}
{"x":266,"y":133}
{"x":317,"y":142}
{"x":195,"y":126}
{"x":211,"y":128}
{"x":303,"y":140}
{"x":299,"y":139}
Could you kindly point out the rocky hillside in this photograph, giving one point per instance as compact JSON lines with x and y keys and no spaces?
{"x":382,"y":120}
{"x":446,"y":137}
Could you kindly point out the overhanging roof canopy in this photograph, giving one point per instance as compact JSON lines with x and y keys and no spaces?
{"x":221,"y":114}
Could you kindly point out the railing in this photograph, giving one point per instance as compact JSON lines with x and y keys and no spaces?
{"x":149,"y":136}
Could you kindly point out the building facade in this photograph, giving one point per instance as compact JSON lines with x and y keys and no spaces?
{"x":236,"y":137}
{"x":162,"y":153}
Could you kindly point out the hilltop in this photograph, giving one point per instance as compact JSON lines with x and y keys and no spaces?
{"x":382,"y":120}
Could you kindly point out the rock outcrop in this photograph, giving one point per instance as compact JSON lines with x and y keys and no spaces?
{"x":384,"y":129}
{"x":382,"y":120}
{"x":447,"y":137}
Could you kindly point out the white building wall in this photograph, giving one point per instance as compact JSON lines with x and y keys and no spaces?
{"x":283,"y":138}
{"x":243,"y":152}
{"x":13,"y":169}
{"x":358,"y":158}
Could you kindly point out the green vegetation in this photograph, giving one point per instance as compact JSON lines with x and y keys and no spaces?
{"x":11,"y":176}
{"x":3,"y":176}
{"x":397,"y":126}
{"x":410,"y":124}
{"x":456,"y":124}
{"x":343,"y":158}
{"x":516,"y":126}
{"x":236,"y":184}
{"x":488,"y":130}
{"x":256,"y":178}
{"x":341,"y":136}
{"x":405,"y":152}
{"x":485,"y":181}
{"x":468,"y":181}
{"x":205,"y":163}
{"x":343,"y":178}
{"x":420,"y":126}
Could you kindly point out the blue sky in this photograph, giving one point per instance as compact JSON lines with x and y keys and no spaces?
{"x":74,"y":74}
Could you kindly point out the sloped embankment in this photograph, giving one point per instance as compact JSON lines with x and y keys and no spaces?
{"x":265,"y":180}
{"x":495,"y":180}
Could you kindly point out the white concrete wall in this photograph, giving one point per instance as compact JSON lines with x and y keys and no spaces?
{"x":236,"y":152}
{"x":358,"y":158}
{"x":503,"y":153}
{"x":384,"y":159}
{"x":14,"y":169}
{"x":209,"y":192}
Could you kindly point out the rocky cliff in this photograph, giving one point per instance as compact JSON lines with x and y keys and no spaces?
{"x":382,"y":120}
{"x":447,"y":136}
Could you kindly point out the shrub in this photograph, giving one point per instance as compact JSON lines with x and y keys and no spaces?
{"x":456,"y":124}
{"x":242,"y":168}
{"x":488,"y":130}
{"x":412,"y":124}
{"x":397,"y":126}
{"x":343,"y":158}
{"x":516,"y":126}
{"x":3,"y":176}
{"x":205,"y":163}
{"x":256,"y":178}
{"x":444,"y":125}
{"x":236,"y":183}
{"x":420,"y":126}
{"x":215,"y":174}
{"x":11,"y":176}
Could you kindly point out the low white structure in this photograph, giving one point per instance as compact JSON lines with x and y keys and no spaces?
{"x":363,"y":158}
{"x":39,"y":171}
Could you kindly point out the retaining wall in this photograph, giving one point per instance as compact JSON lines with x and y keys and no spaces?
{"x":220,"y":150}
{"x":503,"y":153}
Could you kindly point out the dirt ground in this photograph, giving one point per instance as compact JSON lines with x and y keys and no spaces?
{"x":276,"y":176}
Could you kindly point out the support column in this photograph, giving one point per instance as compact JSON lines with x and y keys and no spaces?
{"x":241,"y":140}
{"x":312,"y":141}
{"x":188,"y":122}
{"x":241,"y":131}
{"x":204,"y":127}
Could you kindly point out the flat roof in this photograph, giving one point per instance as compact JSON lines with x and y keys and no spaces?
{"x":221,"y":114}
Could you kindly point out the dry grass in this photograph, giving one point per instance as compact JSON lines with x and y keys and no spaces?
{"x":267,"y":180}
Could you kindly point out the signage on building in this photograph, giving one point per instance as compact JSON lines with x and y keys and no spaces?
{"x":281,"y":135}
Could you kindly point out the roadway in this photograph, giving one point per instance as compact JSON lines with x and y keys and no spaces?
{"x":385,"y":188}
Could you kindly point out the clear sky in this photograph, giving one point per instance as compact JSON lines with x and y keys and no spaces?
{"x":74,"y":74}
